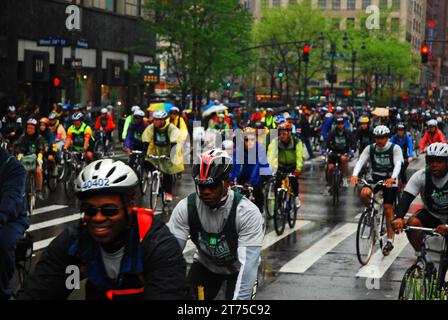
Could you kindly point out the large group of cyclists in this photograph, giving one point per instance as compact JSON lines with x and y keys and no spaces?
{"x":55,"y":149}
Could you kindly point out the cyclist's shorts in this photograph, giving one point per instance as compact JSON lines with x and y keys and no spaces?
{"x":427,"y":219}
{"x":389,"y":194}
{"x":333,"y":158}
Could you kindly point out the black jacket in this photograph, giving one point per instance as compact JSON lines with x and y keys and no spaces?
{"x":332,"y":143}
{"x":162,"y":270}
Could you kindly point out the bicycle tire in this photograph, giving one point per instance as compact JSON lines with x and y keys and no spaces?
{"x":153,"y":196}
{"x":143,"y":179}
{"x":280,"y":213}
{"x":335,"y":187}
{"x":269,"y":199}
{"x":407,"y":289}
{"x":292,"y":215}
{"x":31,"y":193}
{"x":365,"y":228}
{"x":383,"y":229}
{"x":69,"y":182}
{"x":52,"y":180}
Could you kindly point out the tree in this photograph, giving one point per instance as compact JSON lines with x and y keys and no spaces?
{"x":202,"y":40}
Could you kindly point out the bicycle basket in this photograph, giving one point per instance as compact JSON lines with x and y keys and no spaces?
{"x":30,"y":162}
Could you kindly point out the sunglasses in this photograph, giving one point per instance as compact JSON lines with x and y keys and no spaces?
{"x":432,"y":159}
{"x":106,"y":210}
{"x":250,"y":140}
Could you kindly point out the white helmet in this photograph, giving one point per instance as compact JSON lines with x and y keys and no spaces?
{"x":105,"y":176}
{"x":160,"y":115}
{"x":104,"y":111}
{"x":135,"y":108}
{"x":432,"y":123}
{"x":11,"y":109}
{"x":437,"y":149}
{"x":328,"y":115}
{"x":381,"y":131}
{"x":139,"y":113}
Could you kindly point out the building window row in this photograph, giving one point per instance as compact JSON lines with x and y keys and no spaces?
{"x":125,"y":7}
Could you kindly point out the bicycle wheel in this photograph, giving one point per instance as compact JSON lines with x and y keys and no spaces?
{"x":414,"y":284}
{"x":154,"y":192}
{"x":143,"y":179}
{"x":31,"y":193}
{"x":365,"y":237}
{"x":52,"y":179}
{"x":69,"y":182}
{"x":269,"y":199}
{"x":292,"y":212}
{"x":280,"y":213}
{"x":335,"y":187}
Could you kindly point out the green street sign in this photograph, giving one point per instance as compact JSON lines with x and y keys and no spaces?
{"x":151,"y":73}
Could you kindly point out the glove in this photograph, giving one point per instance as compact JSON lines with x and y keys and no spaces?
{"x":297,"y":173}
{"x":350,"y":154}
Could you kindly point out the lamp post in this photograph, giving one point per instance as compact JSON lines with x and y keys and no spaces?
{"x":348,"y":44}
{"x":196,"y":10}
{"x":332,"y":75}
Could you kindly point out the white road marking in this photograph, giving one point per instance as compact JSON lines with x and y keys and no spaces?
{"x":272,"y":237}
{"x":378,"y":264}
{"x":305,"y":260}
{"x":54,"y":222}
{"x":48,"y":209}
{"x":42,"y":244}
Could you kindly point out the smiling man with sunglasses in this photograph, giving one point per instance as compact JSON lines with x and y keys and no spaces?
{"x":124,"y":252}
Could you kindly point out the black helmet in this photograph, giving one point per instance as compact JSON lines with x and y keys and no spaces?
{"x":213,"y":168}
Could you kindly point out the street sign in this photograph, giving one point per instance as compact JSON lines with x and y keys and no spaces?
{"x":76,"y":64}
{"x":151,"y":73}
{"x":53,"y":42}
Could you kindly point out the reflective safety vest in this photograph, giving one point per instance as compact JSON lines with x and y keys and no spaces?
{"x":287,"y":156}
{"x":436,"y":199}
{"x":382,"y":162}
{"x":221,"y":248}
{"x":78,"y":135}
{"x":161,"y":137}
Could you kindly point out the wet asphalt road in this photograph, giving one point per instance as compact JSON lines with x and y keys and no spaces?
{"x":315,"y":260}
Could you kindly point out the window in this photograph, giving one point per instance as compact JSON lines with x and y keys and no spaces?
{"x":336,"y":4}
{"x":104,"y":4}
{"x":396,"y":5}
{"x":322,"y":4}
{"x":351,"y":4}
{"x":131,"y":7}
{"x":366,"y":3}
{"x":264,"y":3}
{"x":395,"y":25}
{"x":276,"y":3}
{"x":383,"y":4}
{"x":292,"y":2}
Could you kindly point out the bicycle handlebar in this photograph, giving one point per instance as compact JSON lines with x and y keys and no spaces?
{"x":159,"y":157}
{"x":238,"y":186}
{"x":428,"y":231}
{"x":373,"y":185}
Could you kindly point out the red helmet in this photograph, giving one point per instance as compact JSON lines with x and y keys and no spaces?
{"x":45,"y":120}
{"x":285,"y":126}
{"x":214,"y":168}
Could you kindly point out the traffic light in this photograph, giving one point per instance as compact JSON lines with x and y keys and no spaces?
{"x":280,"y":73}
{"x":228,"y":84}
{"x":306,"y":53}
{"x":58,"y":82}
{"x":425,"y":53}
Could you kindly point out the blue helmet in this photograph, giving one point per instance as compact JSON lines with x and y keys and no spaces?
{"x":78,"y":116}
{"x":66,"y":107}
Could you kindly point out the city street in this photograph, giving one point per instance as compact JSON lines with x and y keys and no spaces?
{"x":319,"y":253}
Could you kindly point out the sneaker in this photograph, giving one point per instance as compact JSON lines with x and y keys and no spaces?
{"x":388,"y":248}
{"x":39,"y":195}
{"x":298,"y":202}
{"x":169,"y":197}
{"x":345,"y":183}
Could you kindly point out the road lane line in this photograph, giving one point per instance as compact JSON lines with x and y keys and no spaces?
{"x":272,"y":236}
{"x":305,"y":260}
{"x":378,"y":264}
{"x":48,"y":209}
{"x":42,"y":244}
{"x":54,"y":222}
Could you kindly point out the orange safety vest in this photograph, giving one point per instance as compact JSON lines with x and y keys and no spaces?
{"x":144,"y":218}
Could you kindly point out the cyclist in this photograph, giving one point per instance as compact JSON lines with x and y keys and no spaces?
{"x":386,"y":160}
{"x":364,"y":134}
{"x":11,"y":125}
{"x":124,"y":252}
{"x":31,"y":142}
{"x":45,"y":132}
{"x":432,"y":184}
{"x":13,"y":216}
{"x":226,"y":228}
{"x":405,"y":142}
{"x":268,"y":119}
{"x":432,"y":135}
{"x":79,"y":137}
{"x":134,"y":136}
{"x":178,"y":121}
{"x":128,"y":121}
{"x":58,"y":131}
{"x":163,"y":139}
{"x":66,"y":120}
{"x":285,"y":155}
{"x":251,"y":166}
{"x":105,"y":122}
{"x":340,"y":144}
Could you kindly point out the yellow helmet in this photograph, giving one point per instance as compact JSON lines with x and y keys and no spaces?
{"x":250,"y":130}
{"x":364,"y":120}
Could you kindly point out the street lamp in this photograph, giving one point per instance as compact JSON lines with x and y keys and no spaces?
{"x":196,"y":10}
{"x":349,"y":44}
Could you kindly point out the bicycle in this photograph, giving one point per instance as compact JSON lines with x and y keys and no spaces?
{"x":73,"y":165}
{"x":30,"y":164}
{"x":285,"y":206}
{"x":269,"y":197}
{"x":137,"y":164}
{"x":102,"y":144}
{"x":421,"y":281}
{"x":371,"y":225}
{"x":336,"y":180}
{"x":156,"y":190}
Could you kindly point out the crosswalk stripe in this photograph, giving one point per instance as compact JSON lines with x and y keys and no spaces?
{"x":54,"y":222}
{"x":378,"y":264}
{"x":48,"y":209}
{"x":305,"y":260}
{"x":272,"y":236}
{"x":42,"y":244}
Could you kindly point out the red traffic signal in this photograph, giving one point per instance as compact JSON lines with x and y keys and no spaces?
{"x":306,"y":53}
{"x":56,"y":82}
{"x":425,"y":53}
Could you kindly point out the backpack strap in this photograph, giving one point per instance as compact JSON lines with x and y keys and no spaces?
{"x":144,"y":218}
